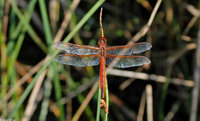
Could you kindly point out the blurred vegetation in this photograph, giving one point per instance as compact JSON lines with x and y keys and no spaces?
{"x":34,"y":87}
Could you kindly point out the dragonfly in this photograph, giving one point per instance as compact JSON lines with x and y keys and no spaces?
{"x":81,"y":55}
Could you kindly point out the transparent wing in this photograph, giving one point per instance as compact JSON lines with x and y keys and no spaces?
{"x":76,"y":49}
{"x":127,"y":61}
{"x":131,"y":49}
{"x":78,"y":60}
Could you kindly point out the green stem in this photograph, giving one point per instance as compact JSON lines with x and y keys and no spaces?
{"x":107,"y":97}
{"x":45,"y":21}
{"x":164,"y":94}
{"x":98,"y":103}
{"x":58,"y":94}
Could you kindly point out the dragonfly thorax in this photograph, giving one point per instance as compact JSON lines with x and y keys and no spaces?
{"x":102,"y":51}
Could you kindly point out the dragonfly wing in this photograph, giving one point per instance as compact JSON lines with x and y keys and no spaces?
{"x":127,"y":61}
{"x":78,"y":60}
{"x":76,"y":49}
{"x":131,"y":49}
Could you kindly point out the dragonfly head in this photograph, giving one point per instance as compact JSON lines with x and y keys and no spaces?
{"x":102,"y":40}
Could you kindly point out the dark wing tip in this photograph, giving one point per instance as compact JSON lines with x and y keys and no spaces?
{"x":149,"y":46}
{"x":58,"y":45}
{"x":146,"y":61}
